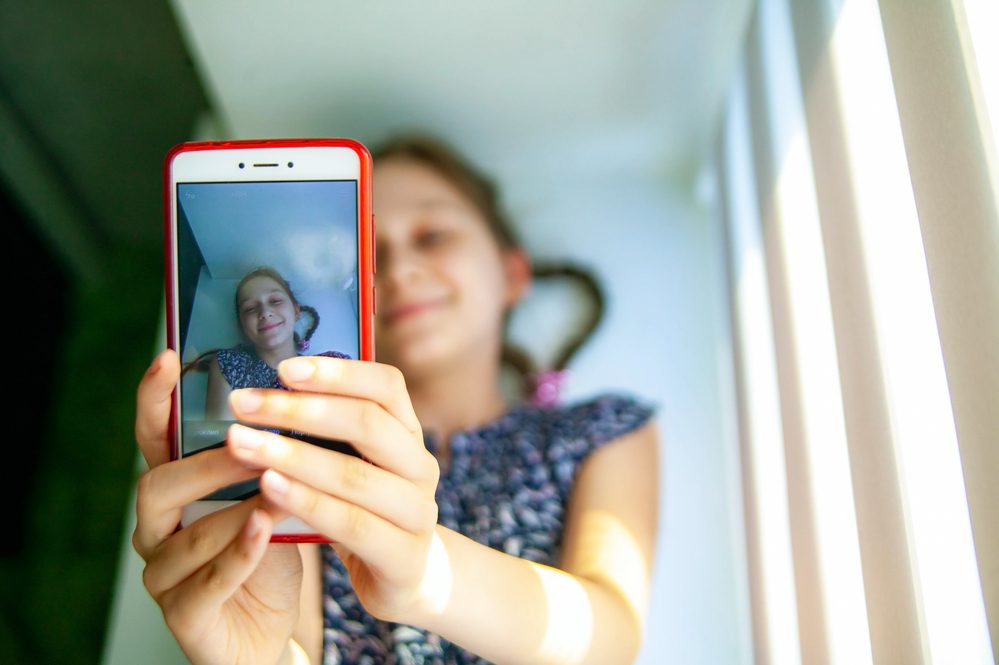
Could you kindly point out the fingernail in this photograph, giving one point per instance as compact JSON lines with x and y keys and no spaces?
{"x":278,"y":483}
{"x":246,"y":438}
{"x":155,"y":367}
{"x":247,"y":401}
{"x":298,"y":369}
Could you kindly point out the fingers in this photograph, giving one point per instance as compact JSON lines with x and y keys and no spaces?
{"x":193,"y":605}
{"x":164,"y":490}
{"x":153,"y":400}
{"x":376,"y":490}
{"x":376,"y":433}
{"x":186,"y":551}
{"x":379,"y":383}
{"x":372,"y":538}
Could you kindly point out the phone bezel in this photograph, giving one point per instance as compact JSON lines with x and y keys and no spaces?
{"x":313,"y":159}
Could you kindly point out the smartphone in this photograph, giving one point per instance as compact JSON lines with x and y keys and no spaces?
{"x":269,"y":253}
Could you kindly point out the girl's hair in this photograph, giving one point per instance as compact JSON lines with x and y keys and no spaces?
{"x":201,"y":362}
{"x":482,"y":192}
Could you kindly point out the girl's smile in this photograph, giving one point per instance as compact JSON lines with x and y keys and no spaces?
{"x":412,"y":309}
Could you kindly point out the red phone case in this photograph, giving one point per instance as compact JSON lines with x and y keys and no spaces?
{"x":365,"y":260}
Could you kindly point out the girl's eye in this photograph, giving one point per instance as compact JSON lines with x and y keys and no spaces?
{"x":431,"y":238}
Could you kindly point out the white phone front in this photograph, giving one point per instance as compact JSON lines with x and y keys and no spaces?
{"x":268,"y":256}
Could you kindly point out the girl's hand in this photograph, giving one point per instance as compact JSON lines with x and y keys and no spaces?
{"x":381,"y":513}
{"x":226,"y":594}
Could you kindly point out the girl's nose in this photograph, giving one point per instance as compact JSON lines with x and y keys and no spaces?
{"x":399,"y":267}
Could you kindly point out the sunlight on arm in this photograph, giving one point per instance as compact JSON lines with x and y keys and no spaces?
{"x":609,"y":554}
{"x":570,"y":618}
{"x":438,"y":580}
{"x":607,"y":560}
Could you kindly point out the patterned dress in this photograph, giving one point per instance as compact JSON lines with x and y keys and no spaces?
{"x":507,"y":486}
{"x":242,"y":368}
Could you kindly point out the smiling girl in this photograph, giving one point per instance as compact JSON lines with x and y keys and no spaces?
{"x":267,"y":311}
{"x":475,"y":529}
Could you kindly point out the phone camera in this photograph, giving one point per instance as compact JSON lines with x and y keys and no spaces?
{"x":291,"y":164}
{"x":241,"y":165}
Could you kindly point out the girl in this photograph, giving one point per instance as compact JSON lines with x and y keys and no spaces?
{"x":267,"y":310}
{"x":520,"y":533}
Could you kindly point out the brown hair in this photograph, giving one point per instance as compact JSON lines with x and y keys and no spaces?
{"x":264,"y":271}
{"x":482,"y":192}
{"x":471,"y":182}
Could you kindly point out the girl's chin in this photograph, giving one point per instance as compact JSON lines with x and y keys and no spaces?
{"x":417,"y":355}
{"x":275,"y":345}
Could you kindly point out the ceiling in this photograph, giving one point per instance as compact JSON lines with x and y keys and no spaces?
{"x":540,"y":92}
{"x":543,"y":93}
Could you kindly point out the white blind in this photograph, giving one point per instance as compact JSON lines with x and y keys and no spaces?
{"x":857,"y":166}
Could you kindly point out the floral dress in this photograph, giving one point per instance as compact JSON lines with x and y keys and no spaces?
{"x":507,"y":486}
{"x":242,"y":368}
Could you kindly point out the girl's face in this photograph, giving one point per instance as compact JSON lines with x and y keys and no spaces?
{"x":267,"y":313}
{"x":443,"y":283}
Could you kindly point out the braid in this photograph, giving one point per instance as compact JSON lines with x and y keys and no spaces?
{"x":200,"y":364}
{"x":521,"y":362}
{"x":592,"y":289}
{"x":303,"y":341}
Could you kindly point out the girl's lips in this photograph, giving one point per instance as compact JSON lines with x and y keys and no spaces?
{"x":402,"y":311}
{"x":270,"y":327}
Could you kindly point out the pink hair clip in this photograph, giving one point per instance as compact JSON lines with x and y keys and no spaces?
{"x":304,"y":345}
{"x":548,"y":387}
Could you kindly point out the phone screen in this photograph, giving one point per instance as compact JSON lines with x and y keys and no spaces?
{"x":265,"y":270}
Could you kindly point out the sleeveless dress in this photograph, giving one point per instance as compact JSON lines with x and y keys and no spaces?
{"x":507,"y":486}
{"x":242,"y":368}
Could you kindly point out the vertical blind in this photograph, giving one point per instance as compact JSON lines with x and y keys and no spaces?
{"x":858,"y":172}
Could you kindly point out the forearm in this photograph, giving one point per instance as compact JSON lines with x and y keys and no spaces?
{"x":511,"y":610}
{"x":294,"y":654}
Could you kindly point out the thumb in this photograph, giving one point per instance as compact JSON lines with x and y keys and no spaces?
{"x":153,"y":403}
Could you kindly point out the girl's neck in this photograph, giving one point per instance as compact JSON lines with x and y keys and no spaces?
{"x":273,"y":357}
{"x":464,"y":396}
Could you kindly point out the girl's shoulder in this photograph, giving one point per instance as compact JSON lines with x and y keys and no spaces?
{"x":560,"y":438}
{"x":568,"y":433}
{"x":601,"y":418}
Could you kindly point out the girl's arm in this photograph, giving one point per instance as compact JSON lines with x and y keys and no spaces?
{"x":404,"y":567}
{"x":510,"y":610}
{"x":217,"y":395}
{"x":309,"y":631}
